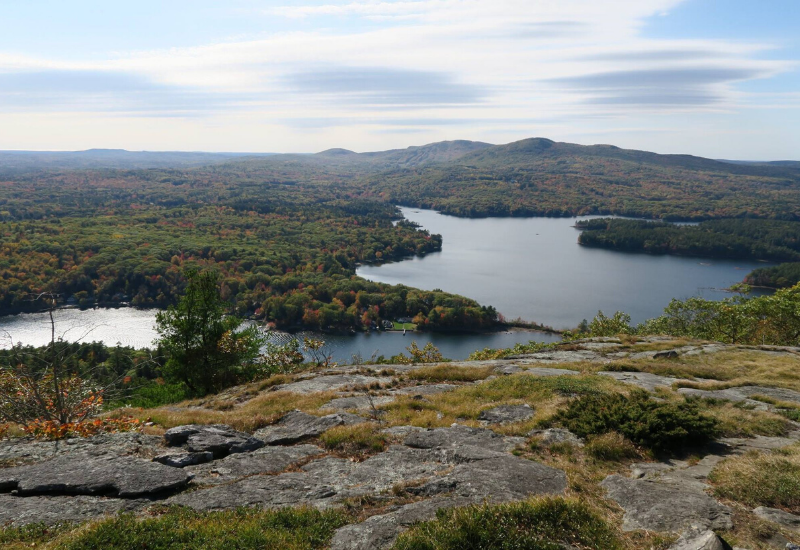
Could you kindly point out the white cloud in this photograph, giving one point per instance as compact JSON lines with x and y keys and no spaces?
{"x":379,"y":10}
{"x":476,"y":62}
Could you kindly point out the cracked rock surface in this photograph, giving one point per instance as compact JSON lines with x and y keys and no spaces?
{"x":790,"y":521}
{"x":461,"y":436}
{"x":297,"y":426}
{"x":83,"y":474}
{"x":506,"y":413}
{"x":661,"y":507}
{"x":421,"y":470}
{"x":219,"y":440}
{"x":267,"y":460}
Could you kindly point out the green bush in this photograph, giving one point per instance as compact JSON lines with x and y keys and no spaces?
{"x":544,"y":524}
{"x":619,"y":323}
{"x":662,"y":427}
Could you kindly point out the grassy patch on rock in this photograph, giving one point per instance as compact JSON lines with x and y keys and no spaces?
{"x":611,"y":446}
{"x":183,"y":529}
{"x":761,"y":479}
{"x":31,"y":536}
{"x":737,"y":420}
{"x":451,"y":373}
{"x":542,"y":524}
{"x":464,"y":404}
{"x":355,"y":440}
{"x":740,"y":367}
{"x":256,"y":413}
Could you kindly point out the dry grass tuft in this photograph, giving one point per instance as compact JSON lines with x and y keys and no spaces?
{"x":451,"y":373}
{"x":761,"y":479}
{"x":250,"y":416}
{"x":357,"y":441}
{"x":611,"y":447}
{"x":738,"y":421}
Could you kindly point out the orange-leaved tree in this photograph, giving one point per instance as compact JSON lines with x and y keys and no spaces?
{"x":39,"y":392}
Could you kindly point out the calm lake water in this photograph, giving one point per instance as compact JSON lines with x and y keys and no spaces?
{"x":526,"y":267}
{"x":534,"y":268}
{"x":136,"y":328}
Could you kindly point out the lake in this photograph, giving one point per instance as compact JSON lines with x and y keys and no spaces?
{"x":534,"y":268}
{"x":526,"y":267}
{"x":136,"y":328}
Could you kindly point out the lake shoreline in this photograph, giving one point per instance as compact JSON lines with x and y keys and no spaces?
{"x":130,"y":327}
{"x":533,"y":268}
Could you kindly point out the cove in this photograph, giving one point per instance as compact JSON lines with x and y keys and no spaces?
{"x":534,"y":268}
{"x":136,"y":328}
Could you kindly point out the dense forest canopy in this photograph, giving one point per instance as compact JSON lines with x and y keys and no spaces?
{"x":286,"y":250}
{"x":286,"y":232}
{"x":784,"y":275}
{"x":538,"y":177}
{"x":743,"y":239}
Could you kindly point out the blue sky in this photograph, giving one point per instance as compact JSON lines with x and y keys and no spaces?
{"x":706,"y":77}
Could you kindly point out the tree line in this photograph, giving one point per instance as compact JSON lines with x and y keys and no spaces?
{"x":743,"y":239}
{"x":286,"y":251}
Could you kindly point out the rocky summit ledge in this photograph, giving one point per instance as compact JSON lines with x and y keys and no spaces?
{"x":483,"y":458}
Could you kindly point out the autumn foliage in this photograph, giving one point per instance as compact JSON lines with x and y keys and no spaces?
{"x":40,"y":393}
{"x":49,"y":429}
{"x":24,"y":396}
{"x":53,"y":407}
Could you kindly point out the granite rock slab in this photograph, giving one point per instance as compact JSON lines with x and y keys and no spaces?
{"x":267,"y":460}
{"x":664,"y":508}
{"x":17,"y":511}
{"x":218,"y":439}
{"x":505,"y":414}
{"x":461,"y":436}
{"x":297,"y":426}
{"x":124,"y":477}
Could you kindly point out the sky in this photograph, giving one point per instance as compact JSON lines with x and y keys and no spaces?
{"x":716,"y":78}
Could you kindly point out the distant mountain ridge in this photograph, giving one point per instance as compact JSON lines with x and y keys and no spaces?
{"x":539,"y":153}
{"x":118,"y":159}
{"x":443,"y":151}
{"x":524,"y":154}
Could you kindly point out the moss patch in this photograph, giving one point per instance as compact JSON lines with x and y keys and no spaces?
{"x":542,"y":524}
{"x":184,"y":529}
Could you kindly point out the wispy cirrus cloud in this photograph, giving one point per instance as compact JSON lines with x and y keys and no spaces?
{"x":106,"y":91}
{"x":453,"y":68}
{"x":378,"y":10}
{"x":688,"y":86}
{"x":380,"y":86}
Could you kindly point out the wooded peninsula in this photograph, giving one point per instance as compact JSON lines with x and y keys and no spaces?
{"x":286,"y":232}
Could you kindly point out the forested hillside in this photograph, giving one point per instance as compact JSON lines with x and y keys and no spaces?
{"x":287,"y":231}
{"x":779,"y":276}
{"x":734,"y":238}
{"x":539,"y":177}
{"x":287,"y":250}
